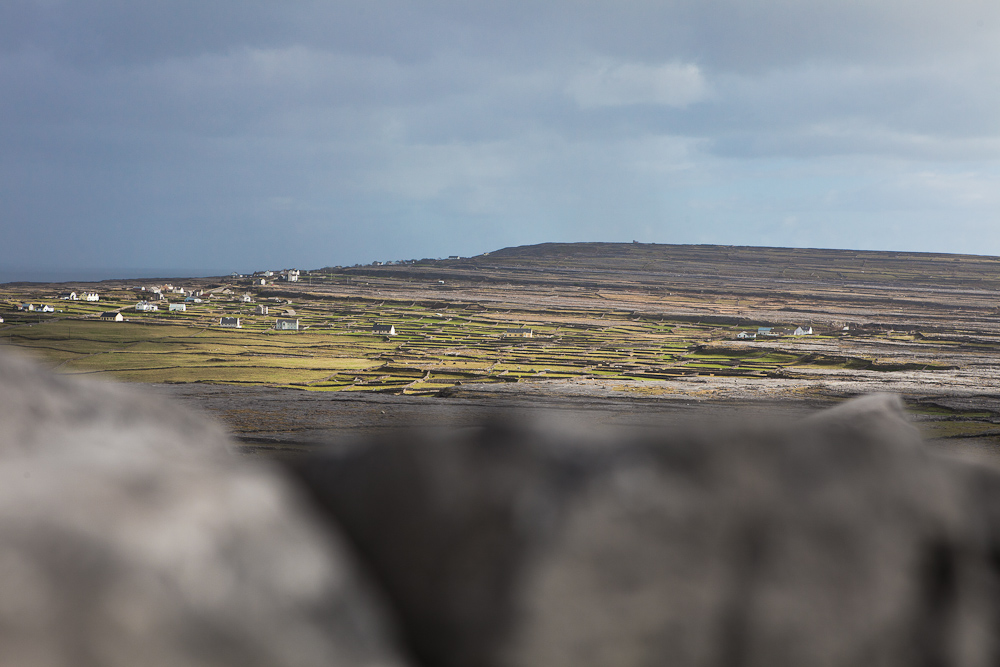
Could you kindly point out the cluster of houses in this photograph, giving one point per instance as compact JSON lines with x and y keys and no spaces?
{"x":263,"y":277}
{"x":83,"y":296}
{"x":281,"y":324}
{"x":772,"y":332}
{"x":36,"y":308}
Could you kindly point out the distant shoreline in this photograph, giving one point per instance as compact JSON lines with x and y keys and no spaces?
{"x":98,"y":275}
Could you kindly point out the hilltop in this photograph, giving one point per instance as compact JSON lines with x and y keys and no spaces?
{"x":650,"y":264}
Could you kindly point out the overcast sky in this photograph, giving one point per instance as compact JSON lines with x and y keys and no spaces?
{"x":217,"y":135}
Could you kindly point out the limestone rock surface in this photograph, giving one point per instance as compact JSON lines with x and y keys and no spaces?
{"x":838,"y":540}
{"x":129,"y":535}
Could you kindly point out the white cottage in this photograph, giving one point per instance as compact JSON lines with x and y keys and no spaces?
{"x":519,"y":332}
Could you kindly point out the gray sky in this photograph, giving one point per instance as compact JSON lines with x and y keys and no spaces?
{"x":218,"y":135}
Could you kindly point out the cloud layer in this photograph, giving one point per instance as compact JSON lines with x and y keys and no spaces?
{"x":232,"y":135}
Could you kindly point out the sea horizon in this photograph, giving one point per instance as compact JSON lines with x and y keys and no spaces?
{"x":85,"y":275}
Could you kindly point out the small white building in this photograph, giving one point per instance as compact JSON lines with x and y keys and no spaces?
{"x":802,"y":331}
{"x":91,"y":296}
{"x":519,"y":332}
{"x":261,"y":310}
{"x":146,"y":307}
{"x":26,"y":307}
{"x":286,"y":325}
{"x":69,"y":297}
{"x":192,"y":299}
{"x":247,"y":298}
{"x":746,"y":335}
{"x":232,"y":322}
{"x":182,"y":307}
{"x":292,"y":275}
{"x":112,"y":316}
{"x":384,"y":330}
{"x":45,"y":308}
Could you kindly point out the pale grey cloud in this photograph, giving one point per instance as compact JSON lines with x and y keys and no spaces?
{"x":626,"y":84}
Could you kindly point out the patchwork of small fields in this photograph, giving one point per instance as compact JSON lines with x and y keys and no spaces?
{"x":435,"y":348}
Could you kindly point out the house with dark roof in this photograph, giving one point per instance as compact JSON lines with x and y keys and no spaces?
{"x":232,"y":322}
{"x":384,"y":330}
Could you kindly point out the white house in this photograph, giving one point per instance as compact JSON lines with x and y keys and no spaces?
{"x":193,"y":299}
{"x":69,"y":297}
{"x":146,"y":307}
{"x":247,"y":298}
{"x":177,"y":306}
{"x":292,"y":275}
{"x":112,"y":316}
{"x":233,"y":322}
{"x":46,"y":308}
{"x":384,"y":330}
{"x":746,"y":335}
{"x":91,"y":296}
{"x":261,"y":310}
{"x":28,"y":307}
{"x":519,"y":332}
{"x":803,"y":331}
{"x":286,"y":325}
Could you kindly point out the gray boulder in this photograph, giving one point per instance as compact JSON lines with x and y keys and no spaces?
{"x":129,"y":535}
{"x":837,"y":540}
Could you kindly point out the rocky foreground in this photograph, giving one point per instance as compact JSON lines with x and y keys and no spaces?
{"x":131,"y":534}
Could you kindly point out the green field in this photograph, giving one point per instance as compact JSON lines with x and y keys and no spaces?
{"x":336,"y":350}
{"x":608,"y":312}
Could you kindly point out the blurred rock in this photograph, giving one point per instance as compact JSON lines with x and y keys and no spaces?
{"x":130,"y":536}
{"x":832,"y":541}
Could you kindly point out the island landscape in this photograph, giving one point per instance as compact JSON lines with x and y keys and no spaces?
{"x":291,"y":360}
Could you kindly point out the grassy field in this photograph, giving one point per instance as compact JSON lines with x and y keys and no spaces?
{"x":598,"y":311}
{"x":337,"y":352}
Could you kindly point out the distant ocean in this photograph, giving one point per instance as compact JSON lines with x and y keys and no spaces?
{"x":93,"y":275}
